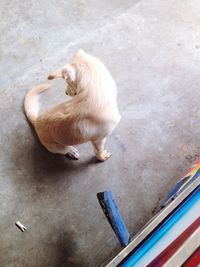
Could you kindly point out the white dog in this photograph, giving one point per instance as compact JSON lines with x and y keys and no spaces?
{"x":91,"y":115}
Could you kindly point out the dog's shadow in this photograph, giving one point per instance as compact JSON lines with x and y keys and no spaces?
{"x":37,"y":163}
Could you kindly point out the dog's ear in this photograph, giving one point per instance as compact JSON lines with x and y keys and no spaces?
{"x":81,"y":52}
{"x":67,"y":72}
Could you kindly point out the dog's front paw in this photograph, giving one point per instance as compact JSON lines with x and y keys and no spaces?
{"x":104,"y":155}
{"x":73,"y":153}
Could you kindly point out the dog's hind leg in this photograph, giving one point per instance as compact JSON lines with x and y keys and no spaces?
{"x":69,"y":151}
{"x":100,"y":153}
{"x":72,"y":152}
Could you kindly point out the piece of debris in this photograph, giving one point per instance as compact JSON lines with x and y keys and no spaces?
{"x":20,"y":226}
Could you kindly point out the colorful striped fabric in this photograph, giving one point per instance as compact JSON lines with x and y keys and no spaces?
{"x":190,"y":175}
{"x":168,"y":252}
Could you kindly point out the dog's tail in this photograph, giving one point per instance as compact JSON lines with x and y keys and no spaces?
{"x":31,"y":102}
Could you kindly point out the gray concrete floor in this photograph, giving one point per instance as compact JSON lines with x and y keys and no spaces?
{"x":152,"y":48}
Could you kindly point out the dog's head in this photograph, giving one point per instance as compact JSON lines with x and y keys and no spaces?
{"x":69,"y":74}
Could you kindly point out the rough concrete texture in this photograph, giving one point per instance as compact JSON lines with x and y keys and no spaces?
{"x":152,"y":48}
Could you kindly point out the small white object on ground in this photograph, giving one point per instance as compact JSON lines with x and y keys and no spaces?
{"x":20,"y":226}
